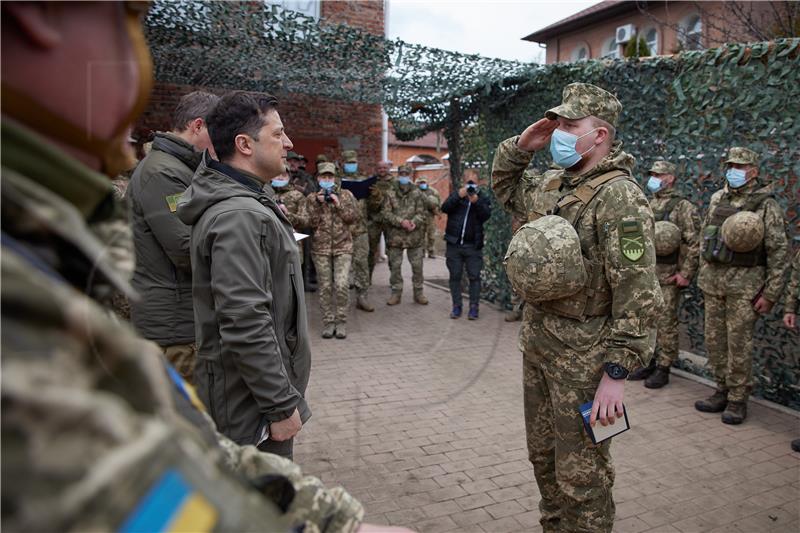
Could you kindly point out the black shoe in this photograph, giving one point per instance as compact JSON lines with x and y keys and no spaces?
{"x":734,"y":413}
{"x":644,"y":372}
{"x":796,"y":445}
{"x":716,"y":403}
{"x":657,"y":379}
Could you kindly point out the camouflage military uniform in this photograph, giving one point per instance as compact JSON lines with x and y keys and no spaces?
{"x":358,"y":229}
{"x":293,"y":200}
{"x":332,"y":251}
{"x":374,"y":224}
{"x":565,"y":342}
{"x":730,"y":290}
{"x":790,"y":303}
{"x":405,"y":202}
{"x":435,"y":202}
{"x":668,"y":205}
{"x":75,"y":377}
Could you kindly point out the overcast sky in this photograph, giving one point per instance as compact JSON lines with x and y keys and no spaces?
{"x":489,"y":28}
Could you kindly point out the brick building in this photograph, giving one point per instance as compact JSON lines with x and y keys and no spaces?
{"x":603,"y":30}
{"x":315,"y":125}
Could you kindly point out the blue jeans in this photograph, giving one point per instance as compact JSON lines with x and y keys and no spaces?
{"x":457,"y":257}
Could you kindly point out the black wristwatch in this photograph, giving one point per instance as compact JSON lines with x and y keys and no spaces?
{"x":615,"y":371}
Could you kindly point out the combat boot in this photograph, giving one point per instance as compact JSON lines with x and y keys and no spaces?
{"x":394,"y":299}
{"x":734,"y":413}
{"x":363,"y":304}
{"x":341,"y":331}
{"x":644,"y":372}
{"x":657,"y":379}
{"x":515,"y":315}
{"x":328,"y":330}
{"x":420,"y":298}
{"x":716,"y":403}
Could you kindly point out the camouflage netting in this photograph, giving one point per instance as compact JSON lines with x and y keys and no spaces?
{"x":688,"y":108}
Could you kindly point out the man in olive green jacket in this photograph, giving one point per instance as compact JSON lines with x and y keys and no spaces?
{"x":253,"y":353}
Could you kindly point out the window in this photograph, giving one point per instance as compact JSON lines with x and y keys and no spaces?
{"x":611,"y":49}
{"x":651,"y":36}
{"x":580,"y":53}
{"x":692,"y":33}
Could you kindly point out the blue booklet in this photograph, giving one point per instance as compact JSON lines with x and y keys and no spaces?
{"x":599,"y":433}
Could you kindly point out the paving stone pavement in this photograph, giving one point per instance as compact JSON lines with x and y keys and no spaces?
{"x":420,"y":417}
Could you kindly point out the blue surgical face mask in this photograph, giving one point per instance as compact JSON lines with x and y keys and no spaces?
{"x":277,"y":184}
{"x":423,"y":186}
{"x":654,"y":184}
{"x":562,"y":148}
{"x":736,"y":177}
{"x":403,"y":180}
{"x":350,"y":168}
{"x":327,"y":184}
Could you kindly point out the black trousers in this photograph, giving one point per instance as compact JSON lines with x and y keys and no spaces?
{"x":457,"y":257}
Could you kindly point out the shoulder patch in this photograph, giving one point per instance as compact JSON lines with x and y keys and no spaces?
{"x":172,"y":202}
{"x":631,"y":240}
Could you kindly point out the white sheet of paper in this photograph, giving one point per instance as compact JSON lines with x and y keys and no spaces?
{"x":299,"y":236}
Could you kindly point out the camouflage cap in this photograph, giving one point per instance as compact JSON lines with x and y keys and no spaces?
{"x":301,"y":157}
{"x":322,"y":158}
{"x":405,"y":169}
{"x":292,"y":155}
{"x":326,"y":168}
{"x":422,"y":179}
{"x":742,"y":232}
{"x":350,"y":156}
{"x":580,"y":100}
{"x":662,"y":167}
{"x":742,"y":156}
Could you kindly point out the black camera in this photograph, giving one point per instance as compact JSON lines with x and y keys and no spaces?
{"x":327,"y":193}
{"x":472,"y":189}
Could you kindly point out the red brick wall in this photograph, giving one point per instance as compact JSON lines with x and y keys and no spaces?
{"x":313,"y":124}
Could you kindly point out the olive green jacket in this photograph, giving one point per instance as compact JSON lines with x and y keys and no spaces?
{"x":404,"y":202}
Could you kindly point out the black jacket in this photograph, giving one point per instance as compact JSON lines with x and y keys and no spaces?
{"x":458,"y":209}
{"x":163,"y":274}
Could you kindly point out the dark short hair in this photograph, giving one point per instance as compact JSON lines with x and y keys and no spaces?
{"x":237,"y":112}
{"x":196,"y":104}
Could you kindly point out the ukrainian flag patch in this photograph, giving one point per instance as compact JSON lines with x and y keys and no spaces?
{"x":171,"y":504}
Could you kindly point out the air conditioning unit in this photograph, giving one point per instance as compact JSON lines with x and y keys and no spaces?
{"x":625,"y":33}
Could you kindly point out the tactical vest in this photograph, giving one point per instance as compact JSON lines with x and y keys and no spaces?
{"x":671,"y":259}
{"x":595,"y":299}
{"x":714,"y":249}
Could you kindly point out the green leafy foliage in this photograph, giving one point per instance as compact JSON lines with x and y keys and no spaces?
{"x":636,"y":47}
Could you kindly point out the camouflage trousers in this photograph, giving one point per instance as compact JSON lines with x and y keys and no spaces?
{"x":430,"y":235}
{"x":333,"y":278}
{"x":374,"y":230}
{"x":729,"y":325}
{"x":415,"y":256}
{"x":361,"y":277}
{"x":182,"y":357}
{"x":667,"y":324}
{"x":575,"y":477}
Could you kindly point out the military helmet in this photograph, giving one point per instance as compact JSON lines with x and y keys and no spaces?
{"x":743,"y":232}
{"x":668,"y":237}
{"x":544,"y":260}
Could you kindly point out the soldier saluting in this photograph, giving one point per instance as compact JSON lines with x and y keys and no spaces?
{"x":582,"y":334}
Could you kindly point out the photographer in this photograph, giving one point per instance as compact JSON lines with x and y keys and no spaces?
{"x":466,"y":212}
{"x":330,"y":213}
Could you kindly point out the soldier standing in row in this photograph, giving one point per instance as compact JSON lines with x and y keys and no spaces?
{"x":677,"y":244}
{"x":375,"y":228}
{"x":790,"y":304}
{"x":435,"y":202}
{"x":579,"y":346}
{"x":403,"y":215}
{"x":361,"y":277}
{"x":742,"y":264}
{"x":290,"y":200}
{"x":330,"y":213}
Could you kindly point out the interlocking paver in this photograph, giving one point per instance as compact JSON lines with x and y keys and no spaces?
{"x":420,"y":418}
